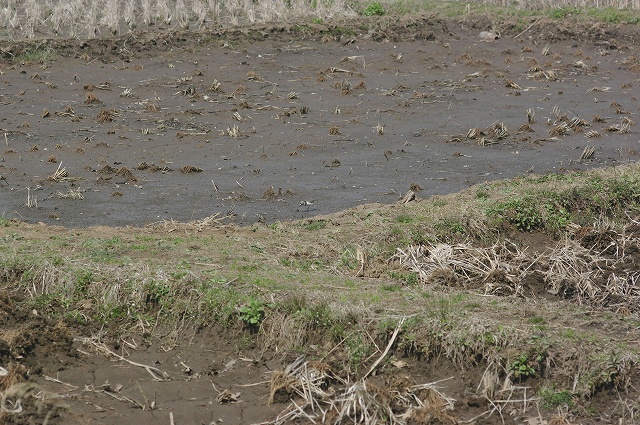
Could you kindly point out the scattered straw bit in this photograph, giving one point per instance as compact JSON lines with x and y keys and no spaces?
{"x":68,"y":112}
{"x":71,"y":194}
{"x":618,"y":128}
{"x":227,"y":396}
{"x":215,"y":86}
{"x":127,"y":92}
{"x":189,"y":91}
{"x":233,"y":131}
{"x":561,"y":129}
{"x":512,"y":85}
{"x":498,"y":131}
{"x":151,"y":107}
{"x":549,"y":75}
{"x":214,"y":220}
{"x":525,"y":128}
{"x":61,"y":174}
{"x":116,"y":194}
{"x":190,"y":169}
{"x":32,"y":201}
{"x":591,"y":134}
{"x":474,"y":132}
{"x":52,"y":158}
{"x":334,"y":131}
{"x":587,"y":153}
{"x":379,"y":129}
{"x":45,"y":113}
{"x":578,"y":122}
{"x":599,"y":89}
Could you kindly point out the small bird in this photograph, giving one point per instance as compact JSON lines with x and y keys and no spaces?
{"x":307,"y":204}
{"x":489,"y":36}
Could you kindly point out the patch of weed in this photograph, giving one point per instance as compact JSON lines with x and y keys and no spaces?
{"x":84,"y":278}
{"x":404,"y":218}
{"x":448,"y":227}
{"x":520,"y":212}
{"x":552,"y":398}
{"x":521,"y":368}
{"x":37,"y":55}
{"x":252,"y":312}
{"x":409,"y":278}
{"x":391,"y":287}
{"x":316,"y":225}
{"x":359,"y":348}
{"x":374,"y":9}
{"x":563,"y":12}
{"x":536,"y":320}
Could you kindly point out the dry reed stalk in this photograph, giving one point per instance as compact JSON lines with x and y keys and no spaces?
{"x":32,"y":201}
{"x":214,"y":220}
{"x":101,"y":348}
{"x":71,"y":194}
{"x":61,"y":174}
{"x":587,"y":153}
{"x":491,"y":268}
{"x":106,"y":115}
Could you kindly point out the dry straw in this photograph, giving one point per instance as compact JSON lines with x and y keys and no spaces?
{"x":569,"y":269}
{"x":107,"y":18}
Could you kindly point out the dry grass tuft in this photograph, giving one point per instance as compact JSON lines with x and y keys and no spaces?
{"x":170,"y":226}
{"x":151,"y":107}
{"x":92,"y":99}
{"x":127,"y":174}
{"x":107,"y":169}
{"x":61,"y":175}
{"x":71,"y":194}
{"x":309,"y":387}
{"x":188,"y":169}
{"x":568,"y":269}
{"x":14,"y":374}
{"x":106,"y":115}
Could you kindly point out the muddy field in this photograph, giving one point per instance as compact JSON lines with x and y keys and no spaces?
{"x":250,"y":124}
{"x":270,"y":124}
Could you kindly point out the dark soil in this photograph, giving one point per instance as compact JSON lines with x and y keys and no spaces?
{"x":250,"y":123}
{"x":137,"y":130}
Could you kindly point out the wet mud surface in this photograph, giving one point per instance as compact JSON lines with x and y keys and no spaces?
{"x":252,"y":128}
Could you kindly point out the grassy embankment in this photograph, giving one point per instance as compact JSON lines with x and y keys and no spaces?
{"x":455,"y":268}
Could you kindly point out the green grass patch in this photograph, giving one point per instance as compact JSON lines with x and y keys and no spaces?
{"x":37,"y":55}
{"x":316,"y":225}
